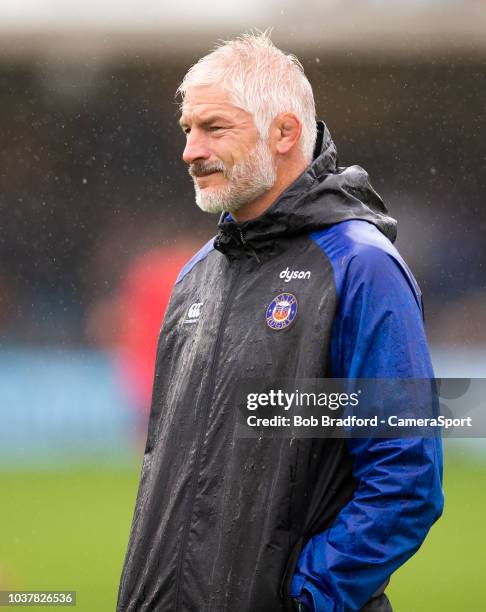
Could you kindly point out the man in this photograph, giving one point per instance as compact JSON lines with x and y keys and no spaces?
{"x":224,"y":523}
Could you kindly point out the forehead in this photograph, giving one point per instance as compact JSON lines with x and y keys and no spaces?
{"x":207,"y":100}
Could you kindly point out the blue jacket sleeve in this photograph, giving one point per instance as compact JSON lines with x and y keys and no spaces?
{"x":378,"y":333}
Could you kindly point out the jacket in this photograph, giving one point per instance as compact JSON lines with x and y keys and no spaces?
{"x":227,"y":524}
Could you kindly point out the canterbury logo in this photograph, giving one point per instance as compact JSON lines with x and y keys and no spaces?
{"x":289,"y":275}
{"x":194,"y":312}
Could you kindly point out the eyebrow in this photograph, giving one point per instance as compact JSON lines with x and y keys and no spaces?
{"x":205,"y":121}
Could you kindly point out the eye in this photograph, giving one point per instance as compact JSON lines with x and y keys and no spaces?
{"x":214,"y":128}
{"x":186,"y":130}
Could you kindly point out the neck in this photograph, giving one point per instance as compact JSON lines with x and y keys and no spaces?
{"x":285,"y":177}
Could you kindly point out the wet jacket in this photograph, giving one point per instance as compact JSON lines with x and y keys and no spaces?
{"x":228,"y":524}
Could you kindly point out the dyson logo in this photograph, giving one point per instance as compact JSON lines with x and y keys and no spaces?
{"x":289,"y":275}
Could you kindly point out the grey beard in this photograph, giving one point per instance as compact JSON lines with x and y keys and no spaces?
{"x":247,"y":181}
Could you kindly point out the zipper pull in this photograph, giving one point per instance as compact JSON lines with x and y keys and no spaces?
{"x":242,"y":238}
{"x":248,"y":247}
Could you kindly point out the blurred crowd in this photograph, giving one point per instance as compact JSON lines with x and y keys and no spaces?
{"x":98,"y":210}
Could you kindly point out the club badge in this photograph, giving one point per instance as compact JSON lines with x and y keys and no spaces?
{"x":281,"y":311}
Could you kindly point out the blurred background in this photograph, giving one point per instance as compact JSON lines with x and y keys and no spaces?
{"x":98,"y":216}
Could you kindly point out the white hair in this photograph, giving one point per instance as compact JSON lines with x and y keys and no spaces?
{"x":262,"y":80}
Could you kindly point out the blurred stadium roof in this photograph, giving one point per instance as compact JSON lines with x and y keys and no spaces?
{"x":102,"y":29}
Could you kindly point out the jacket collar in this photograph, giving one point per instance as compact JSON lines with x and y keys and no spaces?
{"x":322,"y":195}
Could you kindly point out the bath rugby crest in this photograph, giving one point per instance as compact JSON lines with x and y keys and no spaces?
{"x":281,"y":311}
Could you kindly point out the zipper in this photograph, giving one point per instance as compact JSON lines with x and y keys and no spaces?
{"x":202,"y":429}
{"x":248,"y":247}
{"x":243,"y":241}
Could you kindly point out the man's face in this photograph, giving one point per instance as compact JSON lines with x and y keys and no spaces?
{"x":229,"y":163}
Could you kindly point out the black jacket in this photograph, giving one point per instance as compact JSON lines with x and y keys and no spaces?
{"x":220,"y":520}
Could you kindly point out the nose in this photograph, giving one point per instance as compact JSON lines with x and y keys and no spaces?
{"x":196,"y":147}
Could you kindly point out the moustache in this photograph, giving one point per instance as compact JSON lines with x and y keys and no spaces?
{"x":202,"y":169}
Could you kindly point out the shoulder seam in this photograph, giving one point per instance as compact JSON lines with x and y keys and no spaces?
{"x":195,"y":259}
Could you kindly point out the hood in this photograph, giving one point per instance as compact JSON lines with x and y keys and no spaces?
{"x":324,"y":194}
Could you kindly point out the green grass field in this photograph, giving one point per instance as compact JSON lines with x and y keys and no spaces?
{"x":68,"y":531}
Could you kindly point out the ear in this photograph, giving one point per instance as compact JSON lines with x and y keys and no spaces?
{"x":286,"y":131}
